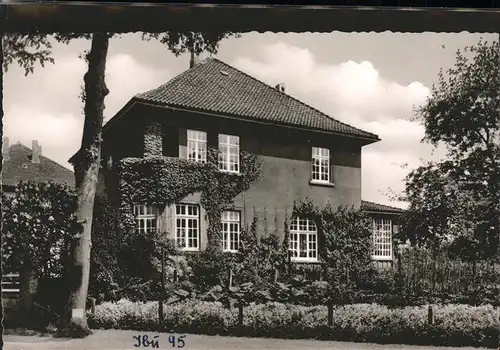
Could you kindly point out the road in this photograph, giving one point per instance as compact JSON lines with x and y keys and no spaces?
{"x":123,"y":340}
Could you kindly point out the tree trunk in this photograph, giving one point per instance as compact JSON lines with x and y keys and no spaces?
{"x":86,"y":165}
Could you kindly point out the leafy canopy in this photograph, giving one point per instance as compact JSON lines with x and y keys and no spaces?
{"x":459,"y":197}
{"x":26,"y":51}
{"x":182,"y":42}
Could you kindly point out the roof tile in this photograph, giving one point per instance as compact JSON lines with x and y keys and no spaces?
{"x":217,"y":87}
{"x":375,"y":207}
{"x":20,"y":168}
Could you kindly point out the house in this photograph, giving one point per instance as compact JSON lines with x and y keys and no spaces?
{"x":23,"y":164}
{"x":303,"y":153}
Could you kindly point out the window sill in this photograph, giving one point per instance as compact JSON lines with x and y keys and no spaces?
{"x":189,"y":250}
{"x":237,"y":173}
{"x":321,"y":183}
{"x":304,"y":261}
{"x":381,"y":258}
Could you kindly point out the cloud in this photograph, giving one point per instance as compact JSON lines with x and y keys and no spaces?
{"x":127,"y":77}
{"x":54,"y":88}
{"x":46,"y":105}
{"x":354,"y":93}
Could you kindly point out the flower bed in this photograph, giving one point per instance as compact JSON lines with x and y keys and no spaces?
{"x":454,"y":325}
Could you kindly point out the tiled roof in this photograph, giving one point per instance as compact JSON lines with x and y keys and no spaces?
{"x":20,"y":168}
{"x":375,"y":207}
{"x":214,"y":86}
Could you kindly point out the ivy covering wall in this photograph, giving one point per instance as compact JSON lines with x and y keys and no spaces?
{"x":160,"y":180}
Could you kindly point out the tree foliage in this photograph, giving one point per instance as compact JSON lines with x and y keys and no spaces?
{"x":459,"y":197}
{"x":26,"y":51}
{"x":182,"y":42}
{"x":39,"y":226}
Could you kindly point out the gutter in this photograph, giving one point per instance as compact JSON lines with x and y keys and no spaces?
{"x":382,"y":212}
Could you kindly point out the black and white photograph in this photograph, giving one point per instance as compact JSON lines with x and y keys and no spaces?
{"x":226,"y":190}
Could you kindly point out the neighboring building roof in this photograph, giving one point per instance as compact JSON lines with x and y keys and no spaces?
{"x":375,"y":207}
{"x":19,"y":167}
{"x":216,"y":87}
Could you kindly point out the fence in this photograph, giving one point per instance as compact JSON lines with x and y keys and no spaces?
{"x":11,"y":291}
{"x":11,"y":284}
{"x":436,"y":273}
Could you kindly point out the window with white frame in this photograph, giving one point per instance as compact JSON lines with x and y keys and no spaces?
{"x":229,"y":153}
{"x":197,"y":146}
{"x":303,"y":240}
{"x":320,"y":164}
{"x":145,"y":218}
{"x":382,"y":239}
{"x":187,"y":226}
{"x":230,"y":230}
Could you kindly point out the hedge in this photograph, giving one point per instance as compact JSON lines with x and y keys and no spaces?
{"x":454,"y":325}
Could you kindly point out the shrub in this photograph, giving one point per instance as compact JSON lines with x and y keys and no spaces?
{"x":344,"y":238}
{"x":261,"y":257}
{"x":126,"y":264}
{"x":40,"y":226}
{"x":125,"y":314}
{"x":456,"y":325}
{"x":259,"y":261}
{"x":211,"y":267}
{"x":106,"y":238}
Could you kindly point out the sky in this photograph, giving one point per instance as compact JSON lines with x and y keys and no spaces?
{"x":372,"y":81}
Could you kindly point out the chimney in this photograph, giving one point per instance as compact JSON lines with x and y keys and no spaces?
{"x":5,"y":148}
{"x":194,"y":59}
{"x":280,"y":87}
{"x":191,"y":61}
{"x":36,"y":150}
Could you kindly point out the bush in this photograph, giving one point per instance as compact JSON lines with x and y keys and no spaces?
{"x":107,"y":236}
{"x":263,"y":258}
{"x":345,"y":241}
{"x":210,"y":268}
{"x":126,"y":264}
{"x":454,"y":325}
{"x":40,"y":225}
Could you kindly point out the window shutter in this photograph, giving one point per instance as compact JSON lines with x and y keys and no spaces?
{"x":160,"y":221}
{"x":213,"y":140}
{"x":330,"y":166}
{"x":183,"y":136}
{"x":170,"y":136}
{"x":203,"y":225}
{"x":169,"y":223}
{"x":182,"y":143}
{"x":395,"y":228}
